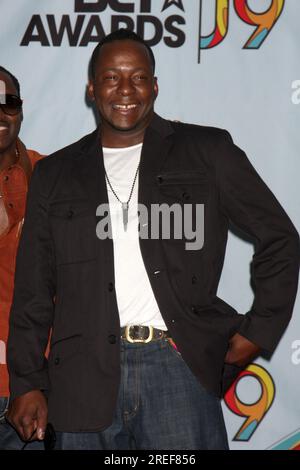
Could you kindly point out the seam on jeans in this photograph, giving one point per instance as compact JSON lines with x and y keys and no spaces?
{"x":131,"y":414}
{"x":125,"y":384}
{"x":137,"y":377}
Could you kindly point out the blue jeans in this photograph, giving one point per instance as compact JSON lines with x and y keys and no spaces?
{"x":161,"y":406}
{"x":9,"y":438}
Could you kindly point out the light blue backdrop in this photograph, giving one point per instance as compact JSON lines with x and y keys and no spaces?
{"x":254,"y":93}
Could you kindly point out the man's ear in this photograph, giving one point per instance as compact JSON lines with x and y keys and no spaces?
{"x":90,"y":91}
{"x":155,"y":87}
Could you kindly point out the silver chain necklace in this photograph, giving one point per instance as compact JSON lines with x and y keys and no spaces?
{"x":125,"y":205}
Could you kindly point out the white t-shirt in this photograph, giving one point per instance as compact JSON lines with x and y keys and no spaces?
{"x":136,"y":302}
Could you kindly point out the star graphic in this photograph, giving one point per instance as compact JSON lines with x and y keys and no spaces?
{"x":177,"y":3}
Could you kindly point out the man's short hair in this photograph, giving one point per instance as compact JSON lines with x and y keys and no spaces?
{"x":119,"y":35}
{"x":13,"y":78}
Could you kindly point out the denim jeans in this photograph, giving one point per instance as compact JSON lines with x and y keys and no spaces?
{"x":161,"y":406}
{"x":9,"y":438}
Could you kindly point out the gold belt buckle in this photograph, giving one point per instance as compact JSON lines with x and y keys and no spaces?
{"x":131,"y":340}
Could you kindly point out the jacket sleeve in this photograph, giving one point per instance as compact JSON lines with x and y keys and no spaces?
{"x":249,"y":204}
{"x":32,"y":309}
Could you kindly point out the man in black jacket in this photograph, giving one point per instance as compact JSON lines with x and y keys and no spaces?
{"x":141,"y":348}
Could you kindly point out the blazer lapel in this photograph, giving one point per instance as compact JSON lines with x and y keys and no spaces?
{"x":89,"y":171}
{"x":155,"y":150}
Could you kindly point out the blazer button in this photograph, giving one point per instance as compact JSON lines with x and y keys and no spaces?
{"x":194,"y":280}
{"x":110,"y":287}
{"x":194,"y":309}
{"x":159,"y":179}
{"x":112,"y":339}
{"x":56,"y":361}
{"x":70,"y":214}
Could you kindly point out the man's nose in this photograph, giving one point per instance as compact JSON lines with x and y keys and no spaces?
{"x":126,"y":86}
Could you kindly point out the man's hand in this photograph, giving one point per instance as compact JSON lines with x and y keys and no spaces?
{"x":28,"y":413}
{"x":241,"y":351}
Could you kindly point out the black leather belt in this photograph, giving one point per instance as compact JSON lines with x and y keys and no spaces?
{"x":142,"y":334}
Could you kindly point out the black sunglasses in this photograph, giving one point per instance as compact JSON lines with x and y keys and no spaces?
{"x":10,"y":104}
{"x":49,"y":439}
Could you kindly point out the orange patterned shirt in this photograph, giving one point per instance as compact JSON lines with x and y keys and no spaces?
{"x":13,"y":191}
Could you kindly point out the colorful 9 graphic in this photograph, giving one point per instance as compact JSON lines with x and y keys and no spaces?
{"x":254,"y":412}
{"x":264,"y":22}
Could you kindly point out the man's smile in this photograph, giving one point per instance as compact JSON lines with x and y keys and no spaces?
{"x":125,"y":108}
{"x":4,"y":126}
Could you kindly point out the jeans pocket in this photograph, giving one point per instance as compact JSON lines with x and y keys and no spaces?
{"x":173,"y":347}
{"x":4,"y":401}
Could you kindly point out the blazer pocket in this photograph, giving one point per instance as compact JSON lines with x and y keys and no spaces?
{"x":70,"y":208}
{"x":184,"y":186}
{"x":64,"y":349}
{"x":177,"y":177}
{"x":73,"y":226}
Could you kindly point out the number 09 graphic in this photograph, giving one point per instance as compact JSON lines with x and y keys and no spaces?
{"x":263,"y":21}
{"x":253,"y":412}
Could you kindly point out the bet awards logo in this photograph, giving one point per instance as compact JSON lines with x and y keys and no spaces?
{"x":157,"y":21}
{"x":89,"y":25}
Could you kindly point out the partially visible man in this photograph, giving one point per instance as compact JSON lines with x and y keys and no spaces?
{"x":16,"y":164}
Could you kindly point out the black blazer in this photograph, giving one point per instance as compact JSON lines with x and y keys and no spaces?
{"x":65,"y":274}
